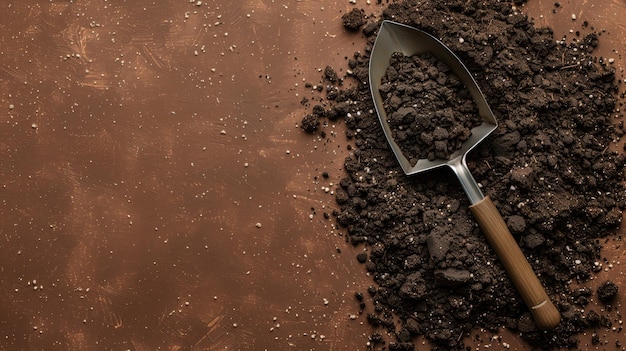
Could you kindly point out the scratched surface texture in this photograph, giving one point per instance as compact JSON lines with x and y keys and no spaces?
{"x":155,"y":191}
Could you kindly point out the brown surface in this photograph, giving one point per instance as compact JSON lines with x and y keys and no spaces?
{"x":140,"y":147}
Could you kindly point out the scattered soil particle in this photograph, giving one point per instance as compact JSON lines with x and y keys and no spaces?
{"x":548,"y":167}
{"x":354,"y":19}
{"x":330,"y":74}
{"x":607,"y":291}
{"x":361,"y":257}
{"x":310,"y":123}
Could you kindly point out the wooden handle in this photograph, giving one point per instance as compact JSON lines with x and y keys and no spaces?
{"x":521,"y":273}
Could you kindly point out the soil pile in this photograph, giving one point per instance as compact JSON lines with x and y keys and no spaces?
{"x":547,"y":167}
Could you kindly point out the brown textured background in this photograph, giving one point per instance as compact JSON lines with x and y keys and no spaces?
{"x":155,"y":190}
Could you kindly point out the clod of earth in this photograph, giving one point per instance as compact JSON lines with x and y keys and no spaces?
{"x":607,"y":291}
{"x":354,"y":19}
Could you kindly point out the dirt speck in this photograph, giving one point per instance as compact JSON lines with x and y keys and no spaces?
{"x":354,"y":19}
{"x":607,"y":291}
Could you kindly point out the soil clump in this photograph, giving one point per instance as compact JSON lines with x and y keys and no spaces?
{"x":548,"y":167}
{"x":354,"y":19}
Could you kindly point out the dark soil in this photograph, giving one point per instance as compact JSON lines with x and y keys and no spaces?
{"x":354,"y":19}
{"x":548,"y":168}
{"x":429,"y":110}
{"x":607,"y":291}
